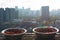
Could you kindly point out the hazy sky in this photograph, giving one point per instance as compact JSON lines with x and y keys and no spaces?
{"x":33,"y":4}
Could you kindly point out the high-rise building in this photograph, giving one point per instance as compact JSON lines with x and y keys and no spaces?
{"x":45,"y":13}
{"x":11,"y":13}
{"x":16,"y":12}
{"x":7,"y":14}
{"x":37,"y":13}
{"x":1,"y":15}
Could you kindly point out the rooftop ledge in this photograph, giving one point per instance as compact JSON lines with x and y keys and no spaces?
{"x":31,"y":36}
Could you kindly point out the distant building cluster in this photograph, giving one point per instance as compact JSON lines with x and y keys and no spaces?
{"x":28,"y":12}
{"x":8,"y":14}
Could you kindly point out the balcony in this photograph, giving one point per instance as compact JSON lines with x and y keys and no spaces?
{"x":31,"y":36}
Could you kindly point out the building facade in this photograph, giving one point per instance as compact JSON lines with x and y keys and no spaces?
{"x":11,"y":13}
{"x":1,"y":15}
{"x":45,"y":13}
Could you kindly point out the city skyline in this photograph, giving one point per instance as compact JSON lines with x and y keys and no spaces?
{"x":26,"y":18}
{"x":33,"y":4}
{"x":52,"y":12}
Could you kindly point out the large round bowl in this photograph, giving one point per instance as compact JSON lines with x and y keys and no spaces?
{"x":45,"y":33}
{"x":18,"y":30}
{"x":41,"y":30}
{"x":13,"y":33}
